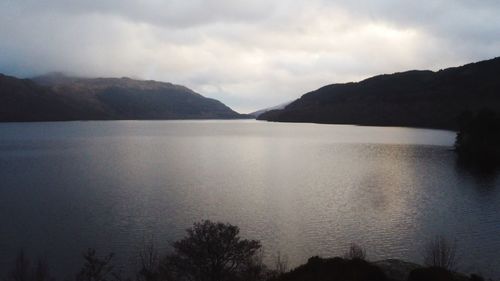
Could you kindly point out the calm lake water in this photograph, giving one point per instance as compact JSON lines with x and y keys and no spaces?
{"x":302,"y":189}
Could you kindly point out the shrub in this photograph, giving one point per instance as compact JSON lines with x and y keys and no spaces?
{"x":211,"y":251}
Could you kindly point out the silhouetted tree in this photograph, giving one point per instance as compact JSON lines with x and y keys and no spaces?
{"x":21,"y":270}
{"x":441,"y":253}
{"x":24,"y":271}
{"x":96,"y":268}
{"x":253,"y":269}
{"x":280,"y":264}
{"x":149,"y":262}
{"x":211,"y":251}
{"x":41,"y":272}
{"x":355,"y":252}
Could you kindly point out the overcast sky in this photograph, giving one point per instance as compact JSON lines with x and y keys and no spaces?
{"x":248,"y":54}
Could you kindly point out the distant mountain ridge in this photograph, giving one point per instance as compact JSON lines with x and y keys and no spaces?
{"x":57,"y":97}
{"x":413,"y":98}
{"x":261,"y":111}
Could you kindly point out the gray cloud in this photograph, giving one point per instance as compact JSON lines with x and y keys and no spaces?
{"x":173,"y":13}
{"x":248,"y":54}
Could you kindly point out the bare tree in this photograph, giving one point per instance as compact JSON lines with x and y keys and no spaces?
{"x":355,"y":252}
{"x":96,"y":268}
{"x":210,"y":252}
{"x":21,"y":270}
{"x":280,"y":263}
{"x":441,"y":253}
{"x":149,"y":261}
{"x":253,"y":269}
{"x":41,"y":272}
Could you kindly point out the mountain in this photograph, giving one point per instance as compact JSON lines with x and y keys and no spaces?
{"x":56,"y":97}
{"x":413,"y":98}
{"x":259,"y":112}
{"x":24,"y":100}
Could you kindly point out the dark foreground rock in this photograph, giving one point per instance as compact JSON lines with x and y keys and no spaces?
{"x":397,"y":269}
{"x":341,"y":269}
{"x":318,"y":269}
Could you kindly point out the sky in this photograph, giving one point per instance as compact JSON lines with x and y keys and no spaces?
{"x":248,"y":54}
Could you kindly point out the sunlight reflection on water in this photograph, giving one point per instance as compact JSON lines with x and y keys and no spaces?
{"x":303,"y":189}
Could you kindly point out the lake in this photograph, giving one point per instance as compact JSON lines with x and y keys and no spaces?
{"x":302,"y":189}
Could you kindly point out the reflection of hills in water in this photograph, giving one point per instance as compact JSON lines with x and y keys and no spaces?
{"x":484,"y":175}
{"x":478,"y":142}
